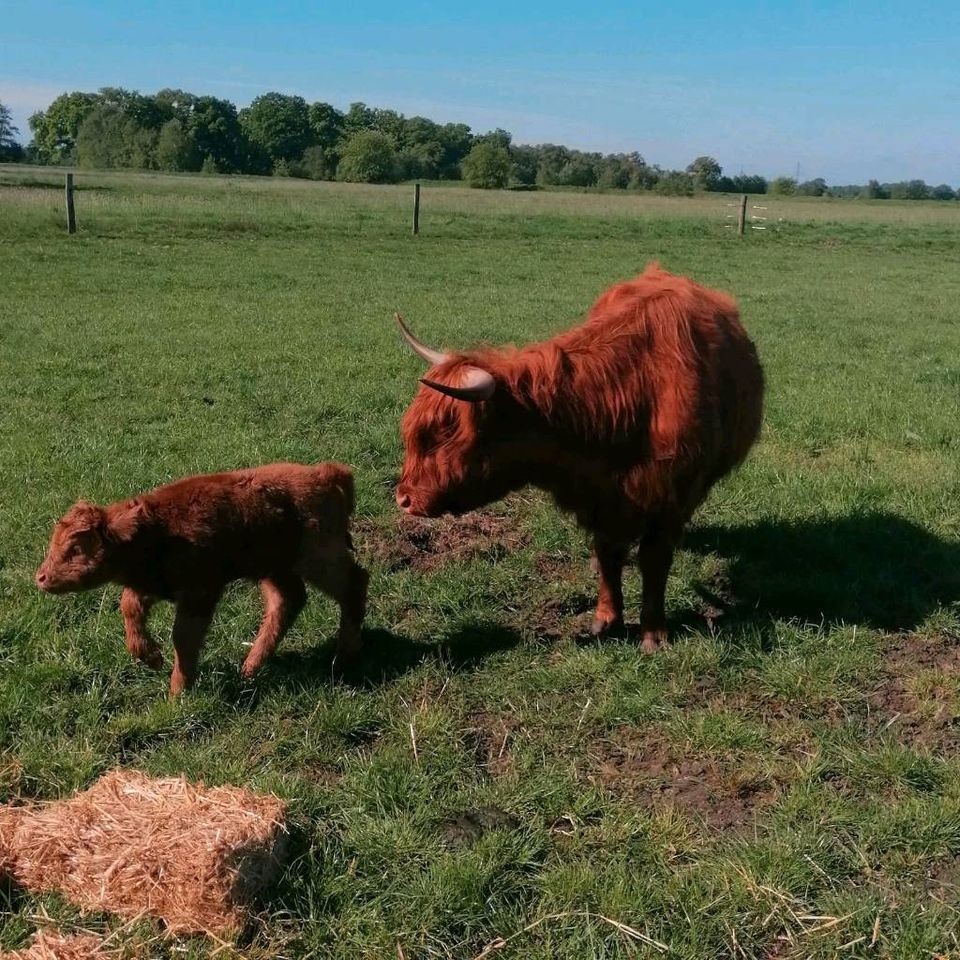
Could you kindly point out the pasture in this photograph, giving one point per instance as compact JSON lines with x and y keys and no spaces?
{"x":781,"y":782}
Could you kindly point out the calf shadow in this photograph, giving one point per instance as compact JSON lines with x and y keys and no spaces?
{"x":387,"y":655}
{"x":873,"y":569}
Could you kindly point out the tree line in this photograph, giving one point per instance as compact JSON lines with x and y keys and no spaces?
{"x":283,"y":135}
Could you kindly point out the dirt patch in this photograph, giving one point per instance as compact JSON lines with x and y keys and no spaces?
{"x":466,"y":827}
{"x":660,"y":775}
{"x":415,"y":543}
{"x":489,"y":736}
{"x":716,"y":595}
{"x":916,"y":699}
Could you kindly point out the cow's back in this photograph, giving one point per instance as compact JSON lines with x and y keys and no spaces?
{"x":249,"y":523}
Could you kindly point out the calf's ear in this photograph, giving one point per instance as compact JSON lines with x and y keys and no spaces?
{"x":127,"y":520}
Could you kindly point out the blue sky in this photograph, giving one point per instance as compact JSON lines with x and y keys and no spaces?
{"x":848,"y":91}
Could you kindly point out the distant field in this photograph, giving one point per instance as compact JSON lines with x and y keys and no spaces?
{"x":782,"y":782}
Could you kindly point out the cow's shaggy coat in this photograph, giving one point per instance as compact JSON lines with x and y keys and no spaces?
{"x":280,"y":524}
{"x":627,"y":420}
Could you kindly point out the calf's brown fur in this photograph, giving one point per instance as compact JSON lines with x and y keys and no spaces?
{"x":282,"y":525}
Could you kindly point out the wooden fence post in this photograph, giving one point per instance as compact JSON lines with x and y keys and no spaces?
{"x":71,"y":213}
{"x":416,"y":209}
{"x":742,"y":219}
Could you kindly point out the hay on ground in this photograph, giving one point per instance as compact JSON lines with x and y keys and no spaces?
{"x":191,"y":856}
{"x":52,"y":945}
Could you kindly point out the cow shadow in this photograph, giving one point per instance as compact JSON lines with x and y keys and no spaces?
{"x":387,"y":656}
{"x":873,"y":569}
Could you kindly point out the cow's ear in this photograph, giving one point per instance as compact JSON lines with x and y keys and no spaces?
{"x":128,"y":519}
{"x":84,"y":515}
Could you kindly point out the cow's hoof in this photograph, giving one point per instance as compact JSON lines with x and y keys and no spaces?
{"x":652,"y":640}
{"x":603,"y":626}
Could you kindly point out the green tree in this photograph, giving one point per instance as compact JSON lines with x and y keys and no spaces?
{"x":705,"y":173}
{"x":873,"y":191}
{"x":909,"y":190}
{"x":326,"y":122}
{"x":279,"y":125}
{"x":783,"y":186}
{"x":579,"y":171}
{"x":213,"y":126}
{"x":943,"y":192}
{"x":523,"y":165}
{"x":487,"y":165}
{"x":55,"y":129}
{"x":368,"y":156}
{"x":675,"y":183}
{"x":358,"y":117}
{"x":456,"y":140}
{"x":10,"y":148}
{"x":108,"y":138}
{"x":813,"y":188}
{"x":175,"y":149}
{"x":313,"y":165}
{"x":500,"y":137}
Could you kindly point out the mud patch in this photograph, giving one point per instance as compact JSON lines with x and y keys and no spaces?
{"x":916,"y":700}
{"x":416,"y":543}
{"x":466,"y":827}
{"x":659,"y":775}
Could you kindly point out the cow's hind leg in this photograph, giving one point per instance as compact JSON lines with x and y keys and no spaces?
{"x":610,"y":558}
{"x":190,"y":625}
{"x":655,"y":558}
{"x":336,"y":573}
{"x":284,"y":596}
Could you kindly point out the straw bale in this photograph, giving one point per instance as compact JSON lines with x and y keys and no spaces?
{"x":53,"y":945}
{"x":192,"y":856}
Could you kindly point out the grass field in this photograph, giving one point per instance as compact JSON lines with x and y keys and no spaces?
{"x":782,"y":782}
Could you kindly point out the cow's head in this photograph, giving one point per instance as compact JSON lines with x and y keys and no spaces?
{"x":451,"y":434}
{"x":83,"y":546}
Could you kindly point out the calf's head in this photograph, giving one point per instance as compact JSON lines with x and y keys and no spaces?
{"x":82,"y":551}
{"x":451,"y":435}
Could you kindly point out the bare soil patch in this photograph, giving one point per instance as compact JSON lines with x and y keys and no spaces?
{"x":660,"y":775}
{"x":466,"y":827}
{"x":416,"y":543}
{"x":931,"y":720}
{"x":489,"y":735}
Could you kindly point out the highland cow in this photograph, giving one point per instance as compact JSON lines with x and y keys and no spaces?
{"x":280,"y":524}
{"x":627,"y":420}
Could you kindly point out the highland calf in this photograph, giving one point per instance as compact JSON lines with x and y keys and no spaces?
{"x":280,"y":524}
{"x":627,"y":420}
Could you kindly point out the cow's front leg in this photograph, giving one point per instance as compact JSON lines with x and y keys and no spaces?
{"x":135,"y":607}
{"x":656,"y":558}
{"x":194,"y":613}
{"x":609,"y":613}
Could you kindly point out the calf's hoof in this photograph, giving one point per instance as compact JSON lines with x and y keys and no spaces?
{"x":152,"y":659}
{"x":250,"y":667}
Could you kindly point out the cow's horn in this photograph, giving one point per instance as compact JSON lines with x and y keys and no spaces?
{"x":433,"y":357}
{"x":477,"y":385}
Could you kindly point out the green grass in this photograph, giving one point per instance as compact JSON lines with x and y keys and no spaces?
{"x":781,"y":782}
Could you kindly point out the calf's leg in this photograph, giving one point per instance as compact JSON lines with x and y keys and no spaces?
{"x":190,"y":625}
{"x":340,"y":577}
{"x":284,"y":596}
{"x":610,"y":557}
{"x":135,"y":607}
